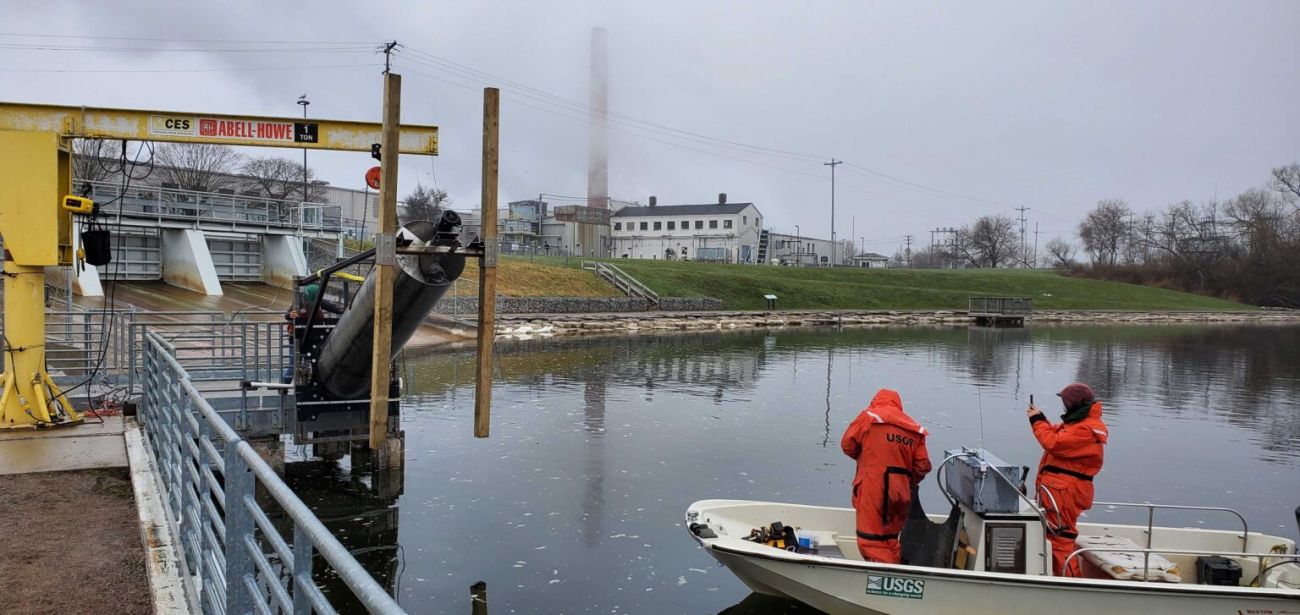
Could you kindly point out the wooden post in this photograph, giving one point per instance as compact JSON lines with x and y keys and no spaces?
{"x":478,"y":598}
{"x":487,"y":271}
{"x":386,"y":270}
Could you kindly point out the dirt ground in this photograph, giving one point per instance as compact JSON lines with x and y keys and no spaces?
{"x":70,"y":543}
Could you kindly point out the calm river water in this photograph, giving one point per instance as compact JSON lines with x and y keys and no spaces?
{"x":575,"y":503}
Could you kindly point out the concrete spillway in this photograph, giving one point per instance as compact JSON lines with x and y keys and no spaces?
{"x":344,"y":363}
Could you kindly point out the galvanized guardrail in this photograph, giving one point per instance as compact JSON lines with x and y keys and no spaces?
{"x":243,"y":549}
{"x":217,"y":208}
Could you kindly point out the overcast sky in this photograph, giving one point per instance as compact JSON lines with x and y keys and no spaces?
{"x":1048,"y":105}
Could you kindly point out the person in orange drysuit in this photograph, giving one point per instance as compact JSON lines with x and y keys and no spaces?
{"x":890,"y":450}
{"x":1072,"y":456}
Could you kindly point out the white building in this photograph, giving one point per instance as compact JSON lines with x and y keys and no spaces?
{"x":801,"y":251}
{"x":719,"y":232}
{"x":871,"y":260}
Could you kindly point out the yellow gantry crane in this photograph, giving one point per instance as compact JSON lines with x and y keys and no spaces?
{"x":36,"y":208}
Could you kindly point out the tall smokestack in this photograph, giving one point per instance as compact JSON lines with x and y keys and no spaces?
{"x":597,"y":157}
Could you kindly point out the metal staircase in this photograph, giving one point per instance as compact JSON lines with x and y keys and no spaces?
{"x":763,"y":240}
{"x":625,"y":283}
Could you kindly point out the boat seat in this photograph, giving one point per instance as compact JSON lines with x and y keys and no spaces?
{"x":1126,"y":565}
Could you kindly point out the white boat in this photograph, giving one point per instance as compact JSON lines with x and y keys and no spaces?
{"x":999,"y":561}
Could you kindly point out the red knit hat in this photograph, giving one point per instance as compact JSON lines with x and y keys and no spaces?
{"x":1076,"y":394}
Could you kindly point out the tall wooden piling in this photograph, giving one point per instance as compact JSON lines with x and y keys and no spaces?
{"x":487,"y":276}
{"x":385,"y":270}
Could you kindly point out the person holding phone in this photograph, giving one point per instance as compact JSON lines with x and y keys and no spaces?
{"x":1073,"y":451}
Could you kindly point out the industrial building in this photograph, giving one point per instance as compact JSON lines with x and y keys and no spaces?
{"x":716,"y":232}
{"x":798,"y":250}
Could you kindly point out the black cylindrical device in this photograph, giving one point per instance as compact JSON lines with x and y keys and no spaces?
{"x":343,"y":367}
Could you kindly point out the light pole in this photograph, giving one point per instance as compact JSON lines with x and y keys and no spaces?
{"x":832,"y":164}
{"x":798,"y":245}
{"x":302,"y":100}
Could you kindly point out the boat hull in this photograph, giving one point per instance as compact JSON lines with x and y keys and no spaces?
{"x":846,"y":585}
{"x":843,"y":591}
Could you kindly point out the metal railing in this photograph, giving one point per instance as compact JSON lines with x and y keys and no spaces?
{"x":236,"y":558}
{"x":1150,"y":531}
{"x":1146,"y":570}
{"x":172,"y":204}
{"x":1001,"y":306}
{"x":621,"y":280}
{"x":103,"y":348}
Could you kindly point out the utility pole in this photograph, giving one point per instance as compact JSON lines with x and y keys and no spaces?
{"x":832,"y":164}
{"x":798,"y":247}
{"x":388,"y":55}
{"x":302,"y":100}
{"x":1035,"y":265}
{"x":908,"y":253}
{"x":1022,"y":209}
{"x":936,"y":229}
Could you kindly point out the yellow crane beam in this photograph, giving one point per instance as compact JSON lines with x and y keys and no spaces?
{"x":190,"y":127}
{"x":36,"y":175}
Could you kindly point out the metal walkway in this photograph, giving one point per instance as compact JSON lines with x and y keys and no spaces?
{"x":247,"y":542}
{"x":153,"y":207}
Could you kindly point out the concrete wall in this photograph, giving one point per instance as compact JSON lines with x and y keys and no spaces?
{"x":187,"y":263}
{"x":282,"y":259}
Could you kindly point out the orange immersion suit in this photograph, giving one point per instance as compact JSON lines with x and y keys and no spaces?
{"x":1072,"y":456}
{"x":890,"y":450}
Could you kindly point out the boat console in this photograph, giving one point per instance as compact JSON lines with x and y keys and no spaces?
{"x":999,"y":528}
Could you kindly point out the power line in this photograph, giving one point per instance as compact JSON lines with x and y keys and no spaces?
{"x":472,"y":74}
{"x":181,"y":40}
{"x":610,"y":118}
{"x":184,"y":70}
{"x":440,"y":63}
{"x":45,"y":47}
{"x":925,"y":187}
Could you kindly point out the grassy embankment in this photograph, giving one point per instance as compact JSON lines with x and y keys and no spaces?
{"x":742,"y":287}
{"x":520,"y":277}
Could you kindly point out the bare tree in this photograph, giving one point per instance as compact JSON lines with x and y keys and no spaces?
{"x":1104,"y":231}
{"x":990,"y":242}
{"x":1062,"y":252}
{"x":282,"y":179}
{"x":1286,"y":179}
{"x":201,"y":167}
{"x":425,"y":204}
{"x":1257,"y":218}
{"x":92,"y":159}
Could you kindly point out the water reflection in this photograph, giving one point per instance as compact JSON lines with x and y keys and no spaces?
{"x":593,"y":397}
{"x":364,"y":521}
{"x":598,"y":445}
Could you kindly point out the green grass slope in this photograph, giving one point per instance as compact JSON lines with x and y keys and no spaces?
{"x":743,"y":286}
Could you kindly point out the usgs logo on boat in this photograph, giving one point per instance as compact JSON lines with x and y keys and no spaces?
{"x":895,"y":587}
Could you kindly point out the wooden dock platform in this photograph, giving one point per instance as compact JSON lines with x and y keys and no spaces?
{"x":1000,"y":311}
